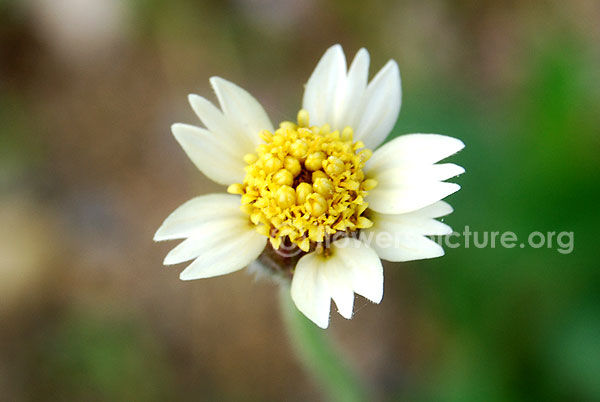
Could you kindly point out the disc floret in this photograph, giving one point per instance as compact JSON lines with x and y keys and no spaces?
{"x":305,"y":183}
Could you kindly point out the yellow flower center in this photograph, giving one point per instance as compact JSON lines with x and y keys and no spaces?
{"x":305,"y":183}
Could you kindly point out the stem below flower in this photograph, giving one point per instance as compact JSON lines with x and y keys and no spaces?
{"x":315,"y":352}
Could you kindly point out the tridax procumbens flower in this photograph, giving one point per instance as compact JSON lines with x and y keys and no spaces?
{"x":311,"y":195}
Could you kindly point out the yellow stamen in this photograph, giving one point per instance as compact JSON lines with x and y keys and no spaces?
{"x":324,"y":187}
{"x":286,"y":196}
{"x":363,"y":223}
{"x":317,"y":204}
{"x":334,"y":166}
{"x":302,"y":192}
{"x":235,"y":188}
{"x":369,"y":184}
{"x":283,"y":177}
{"x":347,"y":134}
{"x":298,"y":149}
{"x":305,"y":183}
{"x":272,"y":163}
{"x":314,"y":161}
{"x":303,"y":118}
{"x":250,"y":158}
{"x":293,"y":165}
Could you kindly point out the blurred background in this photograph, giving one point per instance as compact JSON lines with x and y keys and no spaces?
{"x":89,"y":169}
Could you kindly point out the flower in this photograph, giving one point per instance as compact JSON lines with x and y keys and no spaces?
{"x":314,"y":187}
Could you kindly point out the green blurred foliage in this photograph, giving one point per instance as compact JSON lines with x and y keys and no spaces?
{"x":86,"y":356}
{"x":523,"y":324}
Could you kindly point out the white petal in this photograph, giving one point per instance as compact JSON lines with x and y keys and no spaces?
{"x":403,"y":237}
{"x":219,"y":150}
{"x":190,"y":218}
{"x":226,"y":256}
{"x":403,"y":199}
{"x":221,"y":126}
{"x":407,"y":178}
{"x":380,"y":106}
{"x":437,"y":210}
{"x":352,"y":92}
{"x":414,"y":149}
{"x":220,"y":237}
{"x":321,"y":92}
{"x":341,"y":98}
{"x":219,"y":159}
{"x":339,"y":282}
{"x":364,"y":267}
{"x":416,"y":175}
{"x":310,"y":291}
{"x":212,"y":234}
{"x":350,"y":267}
{"x":241,"y":108}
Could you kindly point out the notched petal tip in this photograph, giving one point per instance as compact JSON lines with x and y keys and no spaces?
{"x":345,"y":313}
{"x":184,"y":276}
{"x":168,"y":260}
{"x":362,"y":52}
{"x":390,"y":75}
{"x":447,"y":230}
{"x":458,"y":170}
{"x":458,"y":145}
{"x":194,"y":98}
{"x":377,"y":298}
{"x":391,"y":67}
{"x":452,"y":144}
{"x":159,"y":235}
{"x":453,"y":188}
{"x":215,"y":80}
{"x":359,"y":69}
{"x":448,"y":211}
{"x":393,"y":78}
{"x":445,"y":171}
{"x":434,"y":250}
{"x":439,"y":252}
{"x":177,"y":129}
{"x":381,"y":106}
{"x":183,"y":133}
{"x":335,"y":48}
{"x":333,"y":56}
{"x":220,"y":84}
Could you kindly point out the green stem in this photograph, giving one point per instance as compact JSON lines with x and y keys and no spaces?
{"x":315,"y":351}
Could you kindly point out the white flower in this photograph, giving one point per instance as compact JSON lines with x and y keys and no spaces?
{"x":308,"y":186}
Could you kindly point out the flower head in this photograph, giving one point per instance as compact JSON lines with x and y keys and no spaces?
{"x":313,"y":191}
